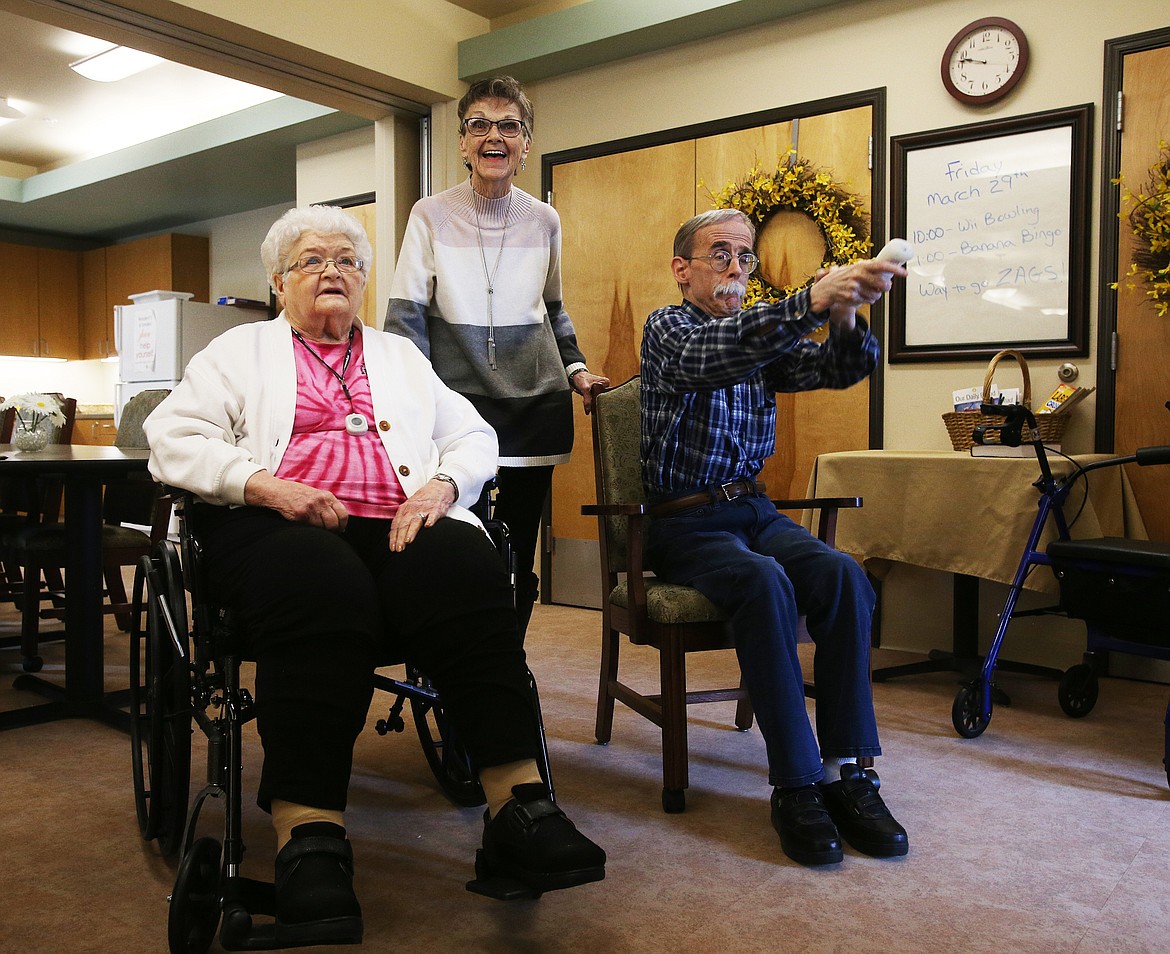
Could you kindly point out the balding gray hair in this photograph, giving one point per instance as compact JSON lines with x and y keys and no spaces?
{"x":684,"y":238}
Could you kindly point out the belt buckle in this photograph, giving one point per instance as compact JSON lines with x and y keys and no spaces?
{"x":724,"y":489}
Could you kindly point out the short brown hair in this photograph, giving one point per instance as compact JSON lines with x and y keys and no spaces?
{"x":498,"y":87}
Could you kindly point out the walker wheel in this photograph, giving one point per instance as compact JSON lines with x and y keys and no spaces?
{"x":1078,"y":690}
{"x":966,"y":715}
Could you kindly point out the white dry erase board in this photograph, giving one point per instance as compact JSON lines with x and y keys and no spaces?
{"x":997,"y":213}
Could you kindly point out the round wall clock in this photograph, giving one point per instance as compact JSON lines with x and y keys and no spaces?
{"x":984,"y":61}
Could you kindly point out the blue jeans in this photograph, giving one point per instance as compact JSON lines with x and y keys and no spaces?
{"x":764,"y":570}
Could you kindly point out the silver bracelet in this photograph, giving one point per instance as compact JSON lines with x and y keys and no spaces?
{"x":450,"y":480}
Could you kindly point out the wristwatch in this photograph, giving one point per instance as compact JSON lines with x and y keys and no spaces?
{"x":447,"y":478}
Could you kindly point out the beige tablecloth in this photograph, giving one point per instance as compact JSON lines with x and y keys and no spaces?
{"x":946,"y":510}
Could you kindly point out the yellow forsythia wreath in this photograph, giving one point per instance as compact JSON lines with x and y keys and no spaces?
{"x":1149,"y":217}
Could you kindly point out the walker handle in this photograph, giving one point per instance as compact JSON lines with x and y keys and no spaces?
{"x":1152,"y":455}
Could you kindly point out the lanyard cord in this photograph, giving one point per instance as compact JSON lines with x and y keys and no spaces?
{"x":332,"y":370}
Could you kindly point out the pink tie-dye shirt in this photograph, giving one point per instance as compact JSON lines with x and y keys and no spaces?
{"x":354,"y":468}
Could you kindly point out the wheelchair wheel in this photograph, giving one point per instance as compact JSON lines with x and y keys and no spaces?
{"x":448,"y":759}
{"x":966,"y":713}
{"x":160,"y":701}
{"x":195,"y":901}
{"x":1077,"y":692}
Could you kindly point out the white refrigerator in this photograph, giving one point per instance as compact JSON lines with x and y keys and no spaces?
{"x":157,"y":337}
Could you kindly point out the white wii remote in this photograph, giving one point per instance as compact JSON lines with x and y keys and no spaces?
{"x":896,"y":250}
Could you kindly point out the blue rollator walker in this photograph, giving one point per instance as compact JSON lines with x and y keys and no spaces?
{"x":1119,"y":587}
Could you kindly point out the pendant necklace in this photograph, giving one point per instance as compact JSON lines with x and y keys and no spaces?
{"x":490,"y":277}
{"x":355,"y":423}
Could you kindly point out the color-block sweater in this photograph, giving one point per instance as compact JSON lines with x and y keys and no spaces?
{"x":457,"y":243}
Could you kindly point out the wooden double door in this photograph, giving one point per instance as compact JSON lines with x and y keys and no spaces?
{"x":619,"y":213}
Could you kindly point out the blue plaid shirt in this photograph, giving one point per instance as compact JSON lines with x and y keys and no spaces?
{"x":709,"y":386}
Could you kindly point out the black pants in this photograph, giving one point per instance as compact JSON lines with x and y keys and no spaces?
{"x":520,"y":496}
{"x":321,"y":610}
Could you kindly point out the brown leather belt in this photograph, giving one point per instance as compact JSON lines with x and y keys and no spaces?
{"x":744,"y":487}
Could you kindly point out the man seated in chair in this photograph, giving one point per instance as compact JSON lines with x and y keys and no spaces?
{"x":710,"y":371}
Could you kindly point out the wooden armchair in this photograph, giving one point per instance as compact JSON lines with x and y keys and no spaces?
{"x":675,"y":620}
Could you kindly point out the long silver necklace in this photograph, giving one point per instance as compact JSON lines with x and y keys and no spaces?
{"x":490,"y":277}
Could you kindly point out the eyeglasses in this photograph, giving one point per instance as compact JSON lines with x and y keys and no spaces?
{"x":312,"y":264}
{"x":509,"y":128}
{"x":721,"y":261}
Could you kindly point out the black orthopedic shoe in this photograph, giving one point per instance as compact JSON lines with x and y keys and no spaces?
{"x":807,"y":833}
{"x":862,"y":816}
{"x":315,"y":903}
{"x":532,"y":841}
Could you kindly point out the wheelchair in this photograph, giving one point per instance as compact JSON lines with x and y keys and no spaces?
{"x":185,"y":672}
{"x":1119,"y":587}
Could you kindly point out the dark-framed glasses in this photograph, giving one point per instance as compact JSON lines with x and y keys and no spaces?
{"x":720,"y":260}
{"x":312,"y":264}
{"x":509,"y":128}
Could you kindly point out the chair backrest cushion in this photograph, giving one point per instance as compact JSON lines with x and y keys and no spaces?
{"x":617,"y":435}
{"x":137,"y":410}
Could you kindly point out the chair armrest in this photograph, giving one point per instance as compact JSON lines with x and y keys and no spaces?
{"x":614,"y":510}
{"x":820,"y":503}
{"x":829,"y":507}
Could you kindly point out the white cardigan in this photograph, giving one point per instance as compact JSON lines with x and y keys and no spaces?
{"x":232,"y":416}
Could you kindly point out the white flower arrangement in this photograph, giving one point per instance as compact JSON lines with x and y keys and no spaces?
{"x":32,"y":409}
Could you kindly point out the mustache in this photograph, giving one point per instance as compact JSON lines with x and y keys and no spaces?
{"x":726,"y":289}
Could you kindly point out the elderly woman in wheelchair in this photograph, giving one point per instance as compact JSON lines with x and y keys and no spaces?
{"x":339,"y":459}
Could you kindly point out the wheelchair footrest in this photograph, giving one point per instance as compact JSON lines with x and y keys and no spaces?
{"x":498,"y":886}
{"x":243,"y":898}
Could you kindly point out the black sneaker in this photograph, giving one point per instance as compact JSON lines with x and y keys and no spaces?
{"x":807,"y":833}
{"x":315,"y":903}
{"x":532,"y":841}
{"x":862,"y":816}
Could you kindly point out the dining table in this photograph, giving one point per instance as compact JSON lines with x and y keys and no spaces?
{"x":83,"y":471}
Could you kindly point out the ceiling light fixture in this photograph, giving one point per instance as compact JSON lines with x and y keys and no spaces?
{"x":114,"y":64}
{"x":8,"y":112}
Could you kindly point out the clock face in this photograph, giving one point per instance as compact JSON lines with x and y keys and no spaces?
{"x":985,"y":60}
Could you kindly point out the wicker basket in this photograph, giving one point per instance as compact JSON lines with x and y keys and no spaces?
{"x":961,"y":424}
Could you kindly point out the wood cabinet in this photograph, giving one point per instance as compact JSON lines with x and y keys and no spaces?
{"x":112,"y":274}
{"x":97,"y":314}
{"x":57,"y":303}
{"x":95,"y":430}
{"x":40,"y":296}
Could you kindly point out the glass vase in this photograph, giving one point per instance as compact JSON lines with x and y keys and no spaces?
{"x":34,"y":439}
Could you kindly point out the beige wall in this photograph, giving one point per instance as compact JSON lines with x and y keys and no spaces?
{"x":897,"y":44}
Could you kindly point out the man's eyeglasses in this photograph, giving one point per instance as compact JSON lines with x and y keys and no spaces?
{"x":720,"y":260}
{"x":509,"y":128}
{"x":312,"y":264}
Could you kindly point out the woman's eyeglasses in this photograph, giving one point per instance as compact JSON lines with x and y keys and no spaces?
{"x":720,"y":261}
{"x":312,"y":264}
{"x":509,"y":128}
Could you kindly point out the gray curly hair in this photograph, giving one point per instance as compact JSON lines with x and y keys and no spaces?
{"x":323,"y":219}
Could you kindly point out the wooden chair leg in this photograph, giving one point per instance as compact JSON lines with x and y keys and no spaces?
{"x":116,"y":590}
{"x":743,"y":710}
{"x":610,"y":648}
{"x":30,"y":613}
{"x":675,"y":778}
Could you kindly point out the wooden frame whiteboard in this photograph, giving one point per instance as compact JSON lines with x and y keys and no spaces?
{"x":998,"y":214}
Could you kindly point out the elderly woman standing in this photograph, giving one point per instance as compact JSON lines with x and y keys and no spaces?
{"x":478,"y":289}
{"x":340,"y":455}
